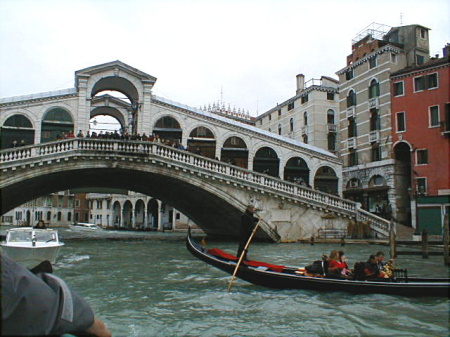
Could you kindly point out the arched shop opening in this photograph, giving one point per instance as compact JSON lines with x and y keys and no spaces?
{"x":201,"y":141}
{"x":266,"y":161}
{"x":402,"y":183}
{"x":117,"y":214}
{"x":377,"y":196}
{"x":235,"y":152}
{"x":153,"y":214}
{"x":296,"y":170}
{"x":56,"y":124}
{"x":16,"y":129}
{"x":326,"y":180}
{"x":169,"y":129}
{"x":354,"y":191}
{"x":139,"y":214}
{"x":127,"y":214}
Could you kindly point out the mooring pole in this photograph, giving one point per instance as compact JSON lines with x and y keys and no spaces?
{"x":425,"y":244}
{"x":392,"y":240}
{"x":446,"y":238}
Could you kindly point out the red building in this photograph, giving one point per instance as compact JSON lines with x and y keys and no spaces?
{"x":420,"y":108}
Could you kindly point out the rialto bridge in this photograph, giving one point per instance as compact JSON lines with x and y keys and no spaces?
{"x":230,"y":163}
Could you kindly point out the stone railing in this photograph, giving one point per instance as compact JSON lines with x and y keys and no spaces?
{"x":88,"y":146}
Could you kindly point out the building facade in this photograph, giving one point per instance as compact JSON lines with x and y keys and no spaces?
{"x":421,"y":137}
{"x":365,"y":112}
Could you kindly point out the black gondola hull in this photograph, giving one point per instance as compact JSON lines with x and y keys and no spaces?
{"x":289,"y":280}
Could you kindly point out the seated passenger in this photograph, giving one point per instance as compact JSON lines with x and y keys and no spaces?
{"x":371,"y":268}
{"x":335,"y":265}
{"x":388,"y":269}
{"x":346,"y":272}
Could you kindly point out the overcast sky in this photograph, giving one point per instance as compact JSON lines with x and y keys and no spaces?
{"x":251,"y":50}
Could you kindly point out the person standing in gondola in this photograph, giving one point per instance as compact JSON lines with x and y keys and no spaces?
{"x":248,"y":223}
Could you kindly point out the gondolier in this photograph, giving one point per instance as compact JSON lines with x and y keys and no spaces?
{"x":248,"y":223}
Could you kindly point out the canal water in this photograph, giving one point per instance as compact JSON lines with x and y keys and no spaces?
{"x":156,"y":288}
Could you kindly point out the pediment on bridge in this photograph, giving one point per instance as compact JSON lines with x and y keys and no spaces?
{"x":117,"y":67}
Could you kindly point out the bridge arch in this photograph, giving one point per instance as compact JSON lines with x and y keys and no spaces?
{"x":235,"y":151}
{"x":266,"y":160}
{"x":15,"y":128}
{"x":116,"y":83}
{"x":296,"y":170}
{"x":202,"y":140}
{"x":326,"y":180}
{"x":168,"y":127}
{"x":55,"y":122}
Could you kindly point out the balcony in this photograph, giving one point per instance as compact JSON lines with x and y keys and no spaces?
{"x":374,"y":136}
{"x":373,"y":103}
{"x":351,"y":143}
{"x":332,"y":128}
{"x":350,"y":112}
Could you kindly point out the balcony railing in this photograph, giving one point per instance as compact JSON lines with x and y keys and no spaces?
{"x":350,"y":112}
{"x":351,"y":143}
{"x":373,"y":103}
{"x":374,"y":136}
{"x":332,"y":128}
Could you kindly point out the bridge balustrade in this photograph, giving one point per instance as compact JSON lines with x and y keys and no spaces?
{"x":142,"y":148}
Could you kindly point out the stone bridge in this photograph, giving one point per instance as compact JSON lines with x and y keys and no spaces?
{"x":210,"y":192}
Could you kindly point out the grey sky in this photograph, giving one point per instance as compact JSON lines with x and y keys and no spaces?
{"x":249,"y":49}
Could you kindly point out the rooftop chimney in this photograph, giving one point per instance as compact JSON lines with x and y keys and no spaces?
{"x":300,"y":82}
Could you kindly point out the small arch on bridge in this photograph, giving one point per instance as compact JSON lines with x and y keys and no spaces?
{"x":202,"y":141}
{"x":116,"y":83}
{"x":14,"y":129}
{"x":169,"y":128}
{"x":266,"y":161}
{"x":326,"y":180}
{"x":235,"y":152}
{"x":56,"y":122}
{"x":297,"y":170}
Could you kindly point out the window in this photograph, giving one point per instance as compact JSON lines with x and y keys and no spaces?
{"x":279,"y":112}
{"x":304,"y":99}
{"x":376,"y":152}
{"x":291,"y":124}
{"x":398,"y":89}
{"x":351,"y":99}
{"x":374,"y":89}
{"x":349,"y":74}
{"x":279,"y":129}
{"x":421,"y":185}
{"x":401,"y":122}
{"x":422,"y":157}
{"x":305,"y":139}
{"x":423,"y":33}
{"x":419,"y":83}
{"x":394,"y":58}
{"x":330,"y":96}
{"x":330,"y":116}
{"x":291,"y":106}
{"x":434,"y":116}
{"x":331,"y":141}
{"x":351,"y":127}
{"x":372,"y":62}
{"x":305,"y":118}
{"x":420,"y":59}
{"x":270,"y":117}
{"x":374,"y":120}
{"x":99,"y":204}
{"x":353,"y":158}
{"x":77,"y":203}
{"x":432,"y":81}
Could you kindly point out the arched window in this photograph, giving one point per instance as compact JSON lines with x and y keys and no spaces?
{"x":279,"y":129}
{"x":374,"y":89}
{"x":305,"y":118}
{"x":351,"y":99}
{"x":291,"y":125}
{"x":330,"y":116}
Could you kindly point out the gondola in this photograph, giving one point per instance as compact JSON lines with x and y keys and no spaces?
{"x":282,"y":277}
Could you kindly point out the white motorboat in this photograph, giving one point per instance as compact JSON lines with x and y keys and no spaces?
{"x":84,"y":226}
{"x":30,"y":246}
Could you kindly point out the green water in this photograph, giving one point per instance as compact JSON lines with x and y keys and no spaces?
{"x":156,"y":288}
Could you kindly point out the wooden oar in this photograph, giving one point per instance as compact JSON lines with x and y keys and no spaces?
{"x":243,"y":254}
